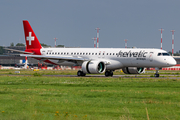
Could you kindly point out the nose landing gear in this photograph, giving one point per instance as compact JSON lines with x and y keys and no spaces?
{"x":157,"y":72}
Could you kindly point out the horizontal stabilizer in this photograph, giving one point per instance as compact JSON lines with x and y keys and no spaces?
{"x":20,"y":51}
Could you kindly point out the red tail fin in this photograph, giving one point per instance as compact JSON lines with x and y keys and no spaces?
{"x":31,"y":40}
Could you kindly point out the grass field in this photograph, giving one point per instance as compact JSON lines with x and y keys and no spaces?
{"x":84,"y":98}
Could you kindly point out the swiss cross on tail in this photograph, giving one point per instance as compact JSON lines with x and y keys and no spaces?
{"x":30,"y":38}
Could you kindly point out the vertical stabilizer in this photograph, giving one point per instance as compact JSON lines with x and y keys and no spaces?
{"x":31,"y":40}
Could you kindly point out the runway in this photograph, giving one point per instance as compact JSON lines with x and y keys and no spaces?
{"x":162,"y":76}
{"x":121,"y":76}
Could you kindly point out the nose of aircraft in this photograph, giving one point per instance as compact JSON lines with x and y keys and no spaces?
{"x":172,"y":62}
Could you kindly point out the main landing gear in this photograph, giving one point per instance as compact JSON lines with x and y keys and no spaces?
{"x":109,"y":73}
{"x":80,"y":73}
{"x":157,"y":72}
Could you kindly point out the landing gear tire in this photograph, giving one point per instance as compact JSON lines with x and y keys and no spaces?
{"x":106,"y":73}
{"x":80,"y":73}
{"x":109,"y":73}
{"x":156,"y":75}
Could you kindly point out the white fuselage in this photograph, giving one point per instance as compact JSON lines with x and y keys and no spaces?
{"x":115,"y":58}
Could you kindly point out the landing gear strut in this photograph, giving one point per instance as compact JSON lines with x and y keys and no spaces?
{"x":157,"y":72}
{"x":109,"y":73}
{"x":80,"y":73}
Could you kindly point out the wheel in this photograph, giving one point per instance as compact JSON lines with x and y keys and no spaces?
{"x":83,"y":74}
{"x":80,"y":73}
{"x":156,"y":75}
{"x":109,"y":73}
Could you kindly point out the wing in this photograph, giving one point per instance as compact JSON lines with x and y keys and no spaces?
{"x":68,"y":58}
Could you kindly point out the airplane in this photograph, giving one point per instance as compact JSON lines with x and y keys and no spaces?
{"x":98,"y":60}
{"x":24,"y":63}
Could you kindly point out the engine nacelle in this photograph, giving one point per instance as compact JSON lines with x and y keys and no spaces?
{"x":133,"y":70}
{"x":93,"y":67}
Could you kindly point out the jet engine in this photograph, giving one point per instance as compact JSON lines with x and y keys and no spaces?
{"x":93,"y":67}
{"x":133,"y":70}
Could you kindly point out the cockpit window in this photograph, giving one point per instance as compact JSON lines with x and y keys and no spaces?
{"x":159,"y":54}
{"x":163,"y":54}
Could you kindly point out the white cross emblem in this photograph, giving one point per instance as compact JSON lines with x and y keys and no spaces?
{"x":30,"y":38}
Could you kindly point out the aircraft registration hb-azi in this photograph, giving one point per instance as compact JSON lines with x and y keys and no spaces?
{"x":97,"y":60}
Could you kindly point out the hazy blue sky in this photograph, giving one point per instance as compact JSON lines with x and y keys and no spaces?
{"x":73,"y":22}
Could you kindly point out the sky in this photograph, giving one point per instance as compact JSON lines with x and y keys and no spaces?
{"x":73,"y":22}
